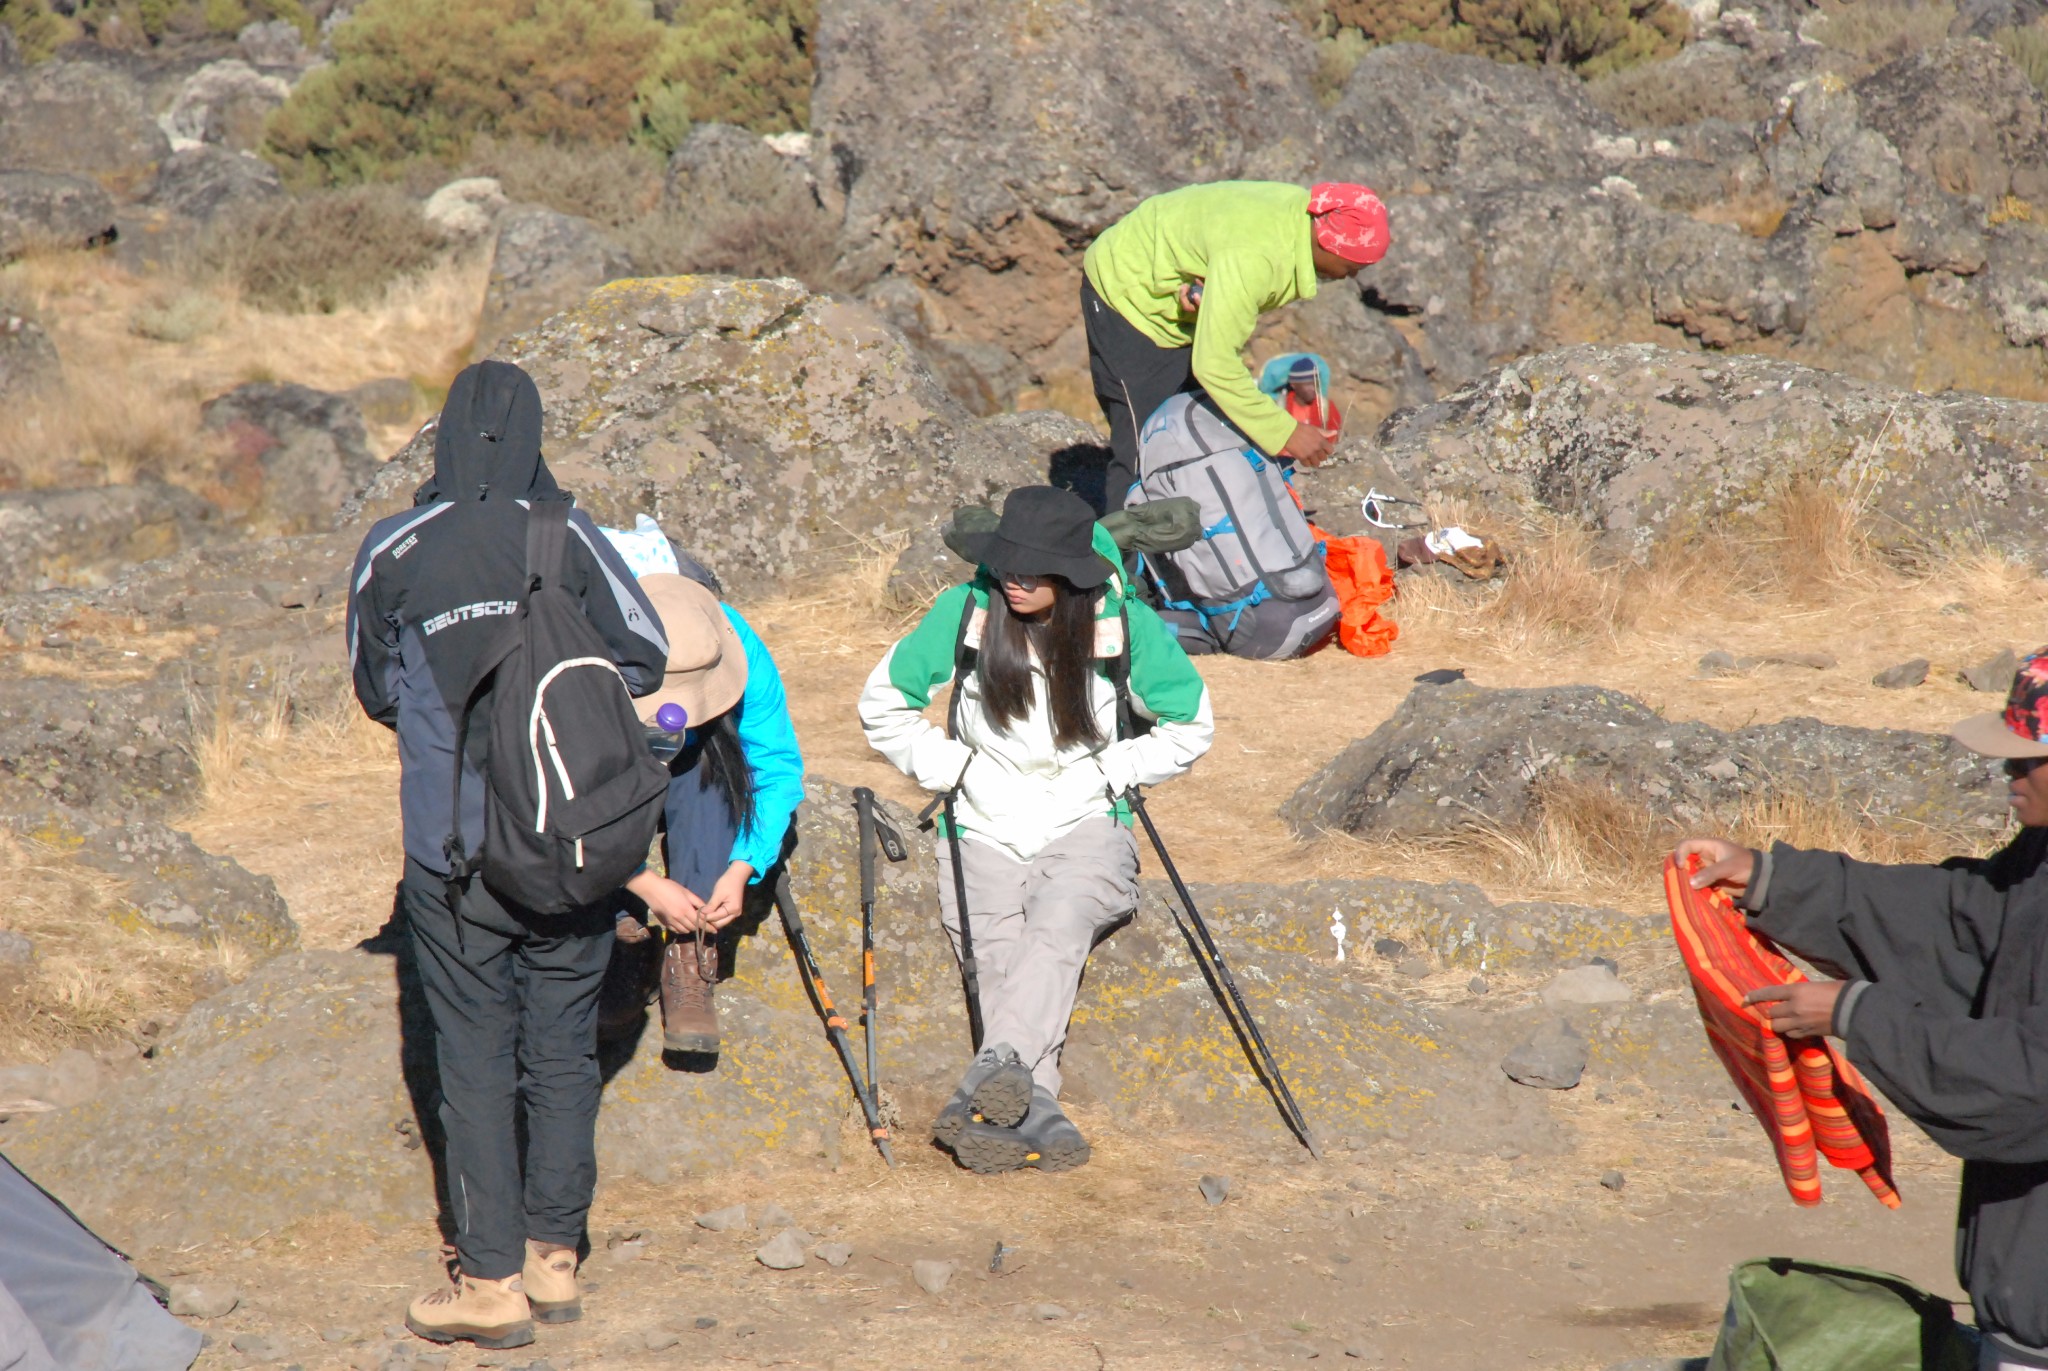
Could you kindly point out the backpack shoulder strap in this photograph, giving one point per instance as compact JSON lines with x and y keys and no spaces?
{"x":547,"y":542}
{"x":1127,"y":721}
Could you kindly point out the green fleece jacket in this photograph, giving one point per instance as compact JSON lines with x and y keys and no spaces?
{"x":1018,"y":788}
{"x":1248,"y":243}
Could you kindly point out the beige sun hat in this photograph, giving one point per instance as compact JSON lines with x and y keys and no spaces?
{"x":2020,"y":729}
{"x":707,"y":664}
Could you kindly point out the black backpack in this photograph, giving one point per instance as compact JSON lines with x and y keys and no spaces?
{"x":573,"y":794}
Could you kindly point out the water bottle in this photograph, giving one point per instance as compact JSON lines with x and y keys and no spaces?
{"x":665,"y":734}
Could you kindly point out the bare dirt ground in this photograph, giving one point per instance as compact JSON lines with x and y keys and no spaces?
{"x":1392,"y":1255}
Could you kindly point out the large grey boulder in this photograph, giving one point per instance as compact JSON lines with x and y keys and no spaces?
{"x":768,"y":428}
{"x":300,"y":1091}
{"x":50,"y":209}
{"x":28,"y":359}
{"x":1642,"y":443}
{"x":300,"y":453}
{"x":544,"y":262}
{"x":1964,"y":116}
{"x":205,"y":183}
{"x":1457,"y":755}
{"x":224,"y":103}
{"x":80,"y":119}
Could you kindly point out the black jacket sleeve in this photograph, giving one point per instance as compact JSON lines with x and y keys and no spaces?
{"x":371,"y":646}
{"x":1926,"y":937}
{"x":617,"y":607}
{"x":1927,"y":928}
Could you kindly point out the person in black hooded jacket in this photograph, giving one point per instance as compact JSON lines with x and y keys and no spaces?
{"x":1942,"y":1001}
{"x":513,"y":993}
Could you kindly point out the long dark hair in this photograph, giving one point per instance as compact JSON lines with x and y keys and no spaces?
{"x":1064,"y":643}
{"x":727,"y":772}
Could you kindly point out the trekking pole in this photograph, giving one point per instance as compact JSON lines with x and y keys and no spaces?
{"x":835,"y":1026}
{"x":1224,"y":985}
{"x":873,"y":828}
{"x":970,"y":974}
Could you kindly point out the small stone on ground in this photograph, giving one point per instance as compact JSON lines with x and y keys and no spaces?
{"x":1994,"y":675}
{"x":1613,"y":1180}
{"x":1554,"y":1059}
{"x":835,"y":1253}
{"x":203,"y":1301}
{"x":783,"y":1252}
{"x":1215,"y":1189}
{"x":1904,"y":676}
{"x":721,"y":1220}
{"x":931,"y":1275}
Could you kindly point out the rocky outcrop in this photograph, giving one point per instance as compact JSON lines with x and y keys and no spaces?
{"x":288,"y":1095}
{"x":544,"y":262}
{"x":1856,"y":227}
{"x":44,"y":209}
{"x":293,"y":455}
{"x":80,"y":119}
{"x":771,"y":430}
{"x":74,"y":536}
{"x":1643,"y":443}
{"x":1457,"y":755}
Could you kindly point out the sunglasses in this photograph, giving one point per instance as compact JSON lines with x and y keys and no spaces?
{"x":1378,"y":512}
{"x":2019,"y":767}
{"x":1010,"y":578}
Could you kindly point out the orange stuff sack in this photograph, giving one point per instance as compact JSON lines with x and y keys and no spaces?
{"x":1359,"y":574}
{"x":1808,"y":1098}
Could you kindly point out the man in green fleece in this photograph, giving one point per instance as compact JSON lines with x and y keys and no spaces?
{"x":1172,"y":291}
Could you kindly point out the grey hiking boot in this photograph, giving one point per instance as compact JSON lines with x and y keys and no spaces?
{"x":1047,"y":1140}
{"x":996,"y":1089}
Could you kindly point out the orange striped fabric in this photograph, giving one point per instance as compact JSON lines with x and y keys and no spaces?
{"x":1808,"y":1098}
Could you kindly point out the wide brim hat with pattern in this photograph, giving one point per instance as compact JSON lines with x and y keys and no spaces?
{"x":2020,"y":730}
{"x":707,"y":663}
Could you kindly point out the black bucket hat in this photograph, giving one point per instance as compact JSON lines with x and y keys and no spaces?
{"x":1044,"y":531}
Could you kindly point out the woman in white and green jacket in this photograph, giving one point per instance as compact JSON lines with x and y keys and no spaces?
{"x":1037,"y":771}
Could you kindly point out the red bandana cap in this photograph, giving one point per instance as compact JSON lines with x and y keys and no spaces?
{"x":1349,"y":221}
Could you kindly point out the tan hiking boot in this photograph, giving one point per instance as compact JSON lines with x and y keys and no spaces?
{"x":550,"y":1278}
{"x":689,"y":1016}
{"x":487,"y":1313}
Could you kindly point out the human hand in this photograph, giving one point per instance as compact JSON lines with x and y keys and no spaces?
{"x":728,"y":898}
{"x":1308,"y":446}
{"x":675,"y":907}
{"x":1804,"y":1010}
{"x":1722,"y":863}
{"x":1190,"y":298}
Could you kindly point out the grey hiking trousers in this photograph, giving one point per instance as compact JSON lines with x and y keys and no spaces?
{"x":1034,"y":924}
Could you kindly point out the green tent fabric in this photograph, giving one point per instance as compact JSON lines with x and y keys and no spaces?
{"x":1785,"y":1314}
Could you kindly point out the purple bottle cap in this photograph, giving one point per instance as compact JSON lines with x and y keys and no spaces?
{"x":673,"y":718}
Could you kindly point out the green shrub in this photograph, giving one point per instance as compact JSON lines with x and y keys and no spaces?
{"x":757,"y":225}
{"x":38,"y":32}
{"x":744,"y":62}
{"x":1593,"y":37}
{"x":1881,"y":31}
{"x":420,"y":79}
{"x":324,"y":251}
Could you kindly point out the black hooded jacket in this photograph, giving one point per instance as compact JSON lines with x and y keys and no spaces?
{"x":432,"y":585}
{"x":1953,"y":1028}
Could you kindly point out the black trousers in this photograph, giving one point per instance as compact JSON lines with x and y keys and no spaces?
{"x":1133,"y":376}
{"x":514,"y":1000}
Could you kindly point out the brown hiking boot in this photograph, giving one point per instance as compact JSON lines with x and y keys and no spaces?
{"x":550,"y":1279}
{"x":487,"y":1313}
{"x":689,"y":1016}
{"x":628,"y":983}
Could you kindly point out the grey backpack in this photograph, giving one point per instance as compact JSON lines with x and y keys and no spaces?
{"x":1255,"y":542}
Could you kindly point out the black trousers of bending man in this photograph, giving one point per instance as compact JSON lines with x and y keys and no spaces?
{"x":514,"y":1000}
{"x":1132,"y":376}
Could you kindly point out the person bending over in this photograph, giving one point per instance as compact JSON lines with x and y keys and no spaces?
{"x":1942,"y":1001}
{"x":1037,"y":768}
{"x":1172,"y":291}
{"x":734,"y":784}
{"x":513,"y":993}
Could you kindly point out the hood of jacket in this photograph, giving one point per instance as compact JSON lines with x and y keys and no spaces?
{"x":487,"y":441}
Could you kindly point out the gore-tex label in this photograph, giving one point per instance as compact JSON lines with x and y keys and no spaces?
{"x":407,"y":546}
{"x":482,"y":609}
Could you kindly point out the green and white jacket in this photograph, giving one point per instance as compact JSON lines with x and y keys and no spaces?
{"x":1017,"y":791}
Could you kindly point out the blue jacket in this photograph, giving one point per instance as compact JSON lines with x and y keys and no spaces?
{"x":702,"y":841}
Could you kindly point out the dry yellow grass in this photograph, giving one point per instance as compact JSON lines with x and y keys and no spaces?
{"x":131,"y":401}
